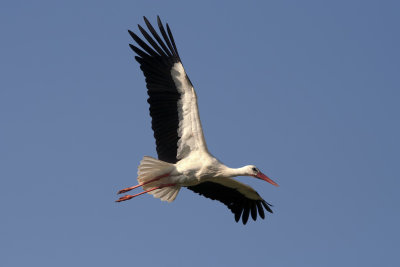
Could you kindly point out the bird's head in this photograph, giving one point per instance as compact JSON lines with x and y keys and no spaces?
{"x":252,"y":170}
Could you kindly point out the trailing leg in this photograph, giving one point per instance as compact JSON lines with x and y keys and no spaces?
{"x":127,"y":197}
{"x":142,"y":184}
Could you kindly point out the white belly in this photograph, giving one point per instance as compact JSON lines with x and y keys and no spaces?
{"x":196,"y":168}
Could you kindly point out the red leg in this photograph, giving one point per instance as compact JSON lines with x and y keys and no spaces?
{"x":127,"y":197}
{"x":139,"y":185}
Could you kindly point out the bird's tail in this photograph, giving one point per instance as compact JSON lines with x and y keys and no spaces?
{"x":159,"y":171}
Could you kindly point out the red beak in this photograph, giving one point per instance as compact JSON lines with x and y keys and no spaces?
{"x":262,"y":176}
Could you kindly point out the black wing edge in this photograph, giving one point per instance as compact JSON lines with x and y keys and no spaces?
{"x":164,"y":47}
{"x":240,"y":205}
{"x":156,"y":58}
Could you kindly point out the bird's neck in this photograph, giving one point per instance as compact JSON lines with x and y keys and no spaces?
{"x":233,"y":172}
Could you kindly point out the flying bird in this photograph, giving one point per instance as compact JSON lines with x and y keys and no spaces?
{"x":183,"y":156}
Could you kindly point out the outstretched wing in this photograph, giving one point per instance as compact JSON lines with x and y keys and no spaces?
{"x":241,"y":199}
{"x":173,"y":101}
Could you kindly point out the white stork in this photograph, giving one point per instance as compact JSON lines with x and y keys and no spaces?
{"x":183,"y":157}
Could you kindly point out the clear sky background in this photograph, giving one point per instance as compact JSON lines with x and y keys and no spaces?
{"x":306,"y":90}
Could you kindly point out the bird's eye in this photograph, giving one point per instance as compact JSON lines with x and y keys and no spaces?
{"x":255,"y":169}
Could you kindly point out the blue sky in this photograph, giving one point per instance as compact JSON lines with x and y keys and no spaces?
{"x":306,"y":90}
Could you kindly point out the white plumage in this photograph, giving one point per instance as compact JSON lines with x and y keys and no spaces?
{"x":183,"y":157}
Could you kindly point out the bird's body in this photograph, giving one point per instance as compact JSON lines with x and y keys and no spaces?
{"x":183,"y":156}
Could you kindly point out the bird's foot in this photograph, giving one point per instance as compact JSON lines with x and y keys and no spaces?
{"x":127,"y":189}
{"x":127,"y":197}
